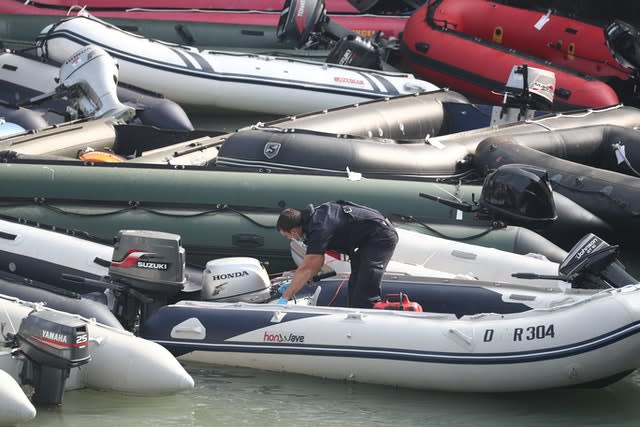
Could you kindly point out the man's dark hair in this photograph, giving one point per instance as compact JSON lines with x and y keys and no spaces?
{"x":289,"y":218}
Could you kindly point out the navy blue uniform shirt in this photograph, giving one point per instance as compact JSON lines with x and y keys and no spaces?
{"x":330,"y":228}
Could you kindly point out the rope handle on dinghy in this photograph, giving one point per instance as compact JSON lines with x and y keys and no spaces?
{"x":494,"y":225}
{"x":137,"y":205}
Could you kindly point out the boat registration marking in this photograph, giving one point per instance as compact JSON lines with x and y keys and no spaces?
{"x":529,"y":333}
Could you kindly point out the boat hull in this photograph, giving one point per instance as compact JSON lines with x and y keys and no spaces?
{"x":205,"y":28}
{"x":227,"y":213}
{"x":214,"y":80}
{"x":452,"y":59}
{"x":15,"y":406}
{"x":149,"y":368}
{"x":538,"y":349}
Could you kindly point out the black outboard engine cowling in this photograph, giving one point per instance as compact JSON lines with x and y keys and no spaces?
{"x":592,"y":263}
{"x":149,"y":266}
{"x":306,"y":23}
{"x":53,"y":344}
{"x":299,"y":20}
{"x":624,"y":42}
{"x":356,"y":51}
{"x":519,"y":194}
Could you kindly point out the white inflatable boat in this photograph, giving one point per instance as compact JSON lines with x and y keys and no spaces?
{"x":54,"y":351}
{"x":213,"y":80}
{"x":421,"y":254}
{"x":15,"y":406}
{"x":458,"y":335}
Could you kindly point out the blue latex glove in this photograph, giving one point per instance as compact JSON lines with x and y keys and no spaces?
{"x":283,"y":300}
{"x":283,"y":288}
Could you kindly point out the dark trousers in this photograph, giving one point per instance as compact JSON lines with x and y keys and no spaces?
{"x":368,"y":264}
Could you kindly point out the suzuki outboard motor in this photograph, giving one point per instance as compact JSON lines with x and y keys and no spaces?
{"x":306,"y":23}
{"x":91,"y":76}
{"x":52,"y":344}
{"x":592,"y":263}
{"x":147,"y":270}
{"x":235,"y":279}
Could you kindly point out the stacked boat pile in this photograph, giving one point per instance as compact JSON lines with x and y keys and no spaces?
{"x":544,"y":200}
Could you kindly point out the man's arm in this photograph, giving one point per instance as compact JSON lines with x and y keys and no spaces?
{"x":309,"y":267}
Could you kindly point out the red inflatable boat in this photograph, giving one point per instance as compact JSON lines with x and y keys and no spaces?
{"x":472,"y":45}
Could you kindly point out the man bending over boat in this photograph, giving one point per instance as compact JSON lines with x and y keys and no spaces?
{"x":361,"y":232}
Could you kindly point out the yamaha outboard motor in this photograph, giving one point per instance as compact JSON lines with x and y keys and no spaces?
{"x":51,"y":344}
{"x":307,"y":24}
{"x":147,"y":271}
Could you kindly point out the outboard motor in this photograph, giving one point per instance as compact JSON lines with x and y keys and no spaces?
{"x":147,"y":271}
{"x":527,"y":89}
{"x":235,"y":279}
{"x":356,"y":51}
{"x":517,"y":194}
{"x":592,"y":263}
{"x":624,"y":42}
{"x":306,"y":23}
{"x":90,"y":77}
{"x":52,"y":344}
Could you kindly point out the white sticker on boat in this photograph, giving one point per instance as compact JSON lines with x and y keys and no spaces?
{"x":621,"y":156}
{"x":542,"y":21}
{"x":459,"y":215}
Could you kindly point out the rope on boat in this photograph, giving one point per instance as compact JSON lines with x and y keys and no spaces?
{"x":137,"y":205}
{"x":495,"y":225}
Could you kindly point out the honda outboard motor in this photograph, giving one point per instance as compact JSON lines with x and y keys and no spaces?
{"x":147,"y":270}
{"x":235,"y":279}
{"x":52,"y":344}
{"x":592,"y":263}
{"x":306,"y":23}
{"x":90,"y":76}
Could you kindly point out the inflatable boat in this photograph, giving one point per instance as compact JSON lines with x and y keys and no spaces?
{"x":437,"y":154}
{"x":437,"y":46}
{"x":239,"y":209}
{"x":481,"y":336}
{"x":15,"y":406}
{"x":26,"y":249}
{"x":54,"y":351}
{"x":420,"y":254}
{"x":210,"y":80}
{"x":203,"y":24}
{"x":36,"y":93}
{"x":595,"y":166}
{"x":481,"y":353}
